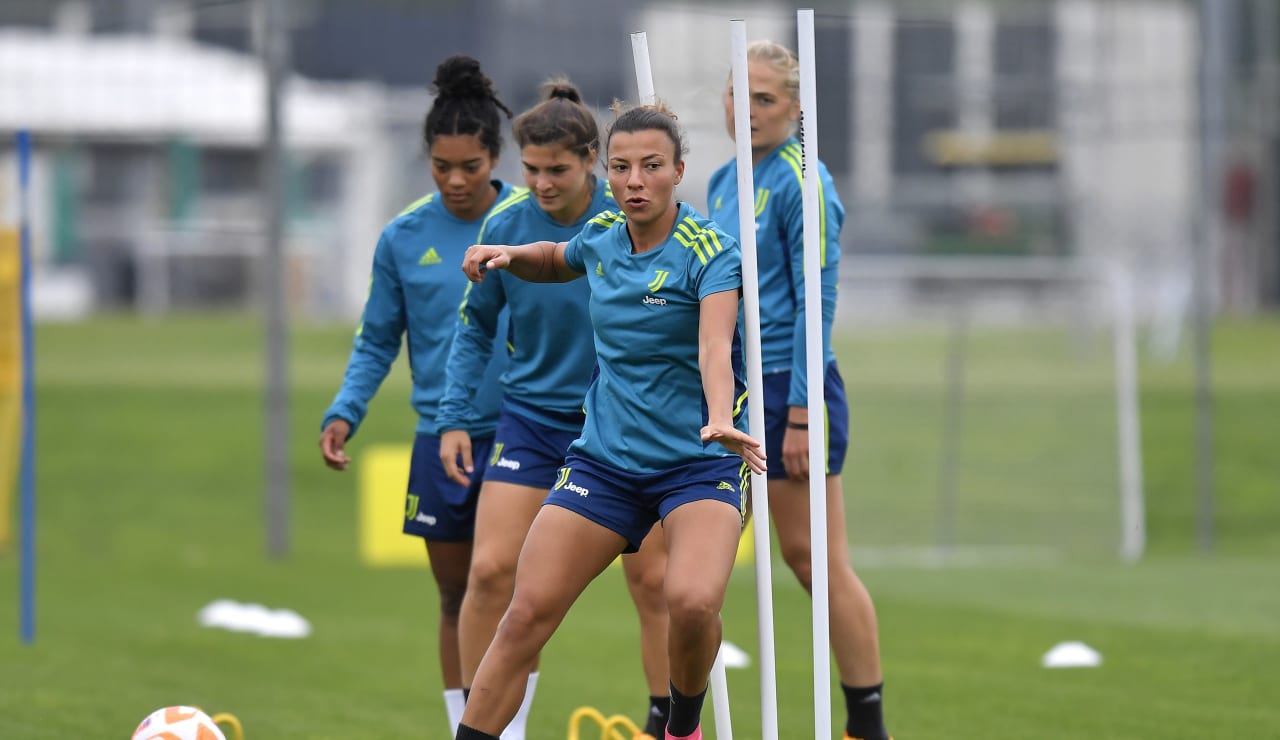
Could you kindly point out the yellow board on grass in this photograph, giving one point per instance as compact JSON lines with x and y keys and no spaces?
{"x":10,"y":378}
{"x":383,"y":478}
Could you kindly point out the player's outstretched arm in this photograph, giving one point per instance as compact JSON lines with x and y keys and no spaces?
{"x":718,"y":316}
{"x":539,"y":262}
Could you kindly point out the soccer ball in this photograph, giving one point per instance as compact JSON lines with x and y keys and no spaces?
{"x":178,"y":723}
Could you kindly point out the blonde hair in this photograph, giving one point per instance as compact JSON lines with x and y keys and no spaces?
{"x":781,"y":59}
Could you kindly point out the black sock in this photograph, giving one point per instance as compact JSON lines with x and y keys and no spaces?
{"x":471,"y":733}
{"x":686,"y":712}
{"x":866,"y":712}
{"x":659,"y":711}
{"x":466,"y":694}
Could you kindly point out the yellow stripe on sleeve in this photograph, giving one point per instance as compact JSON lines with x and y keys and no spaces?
{"x":608,"y":219}
{"x":791,"y":154}
{"x":417,"y":204}
{"x":762,"y":198}
{"x":462,"y":307}
{"x":690,"y":243}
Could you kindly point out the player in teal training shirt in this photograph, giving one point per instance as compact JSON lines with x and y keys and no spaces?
{"x":552,"y":358}
{"x":779,"y":227}
{"x":414,"y":295}
{"x":662,"y":440}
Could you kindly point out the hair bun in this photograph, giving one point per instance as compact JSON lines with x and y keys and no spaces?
{"x":561,"y":89}
{"x":459,"y":76}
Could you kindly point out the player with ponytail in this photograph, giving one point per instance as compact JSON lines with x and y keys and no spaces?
{"x":553,"y":355}
{"x":414,"y":294}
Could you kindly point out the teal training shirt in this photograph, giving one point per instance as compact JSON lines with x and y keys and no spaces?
{"x":552,"y":352}
{"x":415,"y":290}
{"x":645,"y":409}
{"x":779,"y":217}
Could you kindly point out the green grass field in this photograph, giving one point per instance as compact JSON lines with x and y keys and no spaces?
{"x":150,"y":439}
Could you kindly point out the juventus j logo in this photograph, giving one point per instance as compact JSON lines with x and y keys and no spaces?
{"x":660,"y":277}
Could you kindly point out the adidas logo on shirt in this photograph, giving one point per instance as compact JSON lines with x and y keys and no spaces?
{"x":430,"y":257}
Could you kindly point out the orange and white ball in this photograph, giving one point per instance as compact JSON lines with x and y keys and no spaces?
{"x":178,"y":723}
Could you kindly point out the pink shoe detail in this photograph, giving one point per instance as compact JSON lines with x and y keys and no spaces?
{"x":697,"y":735}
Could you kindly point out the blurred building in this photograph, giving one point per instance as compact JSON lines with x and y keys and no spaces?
{"x":1045,"y":128}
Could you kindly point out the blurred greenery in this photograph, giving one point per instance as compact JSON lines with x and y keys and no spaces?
{"x":150,"y":443}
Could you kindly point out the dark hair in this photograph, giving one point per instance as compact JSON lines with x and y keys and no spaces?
{"x":656,"y":117}
{"x":466,"y":103}
{"x":560,"y":118}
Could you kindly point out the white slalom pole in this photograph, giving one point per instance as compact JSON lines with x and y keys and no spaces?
{"x":644,"y":71}
{"x":720,"y":698}
{"x":813,"y":239}
{"x":755,"y":378}
{"x":718,"y":678}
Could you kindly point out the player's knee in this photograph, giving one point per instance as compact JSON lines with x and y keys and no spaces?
{"x":451,"y":595}
{"x":524,"y":620}
{"x":646,"y":588}
{"x":691,"y":608}
{"x":798,"y":559}
{"x":491,"y":580}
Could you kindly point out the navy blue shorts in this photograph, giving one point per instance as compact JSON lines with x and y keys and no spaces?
{"x":526,"y":452}
{"x":777,"y":386}
{"x":437,"y":508}
{"x":630,"y":503}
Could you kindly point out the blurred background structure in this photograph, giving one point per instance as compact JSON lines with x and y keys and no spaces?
{"x":1068,"y":167}
{"x":1036,"y":129}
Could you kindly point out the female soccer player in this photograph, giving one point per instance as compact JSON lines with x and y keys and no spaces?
{"x":774,"y":84}
{"x":415,"y":289}
{"x":661,"y":440}
{"x":551,"y":362}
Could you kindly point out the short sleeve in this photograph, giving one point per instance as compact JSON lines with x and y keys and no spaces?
{"x":723,"y":271}
{"x":573,"y":254}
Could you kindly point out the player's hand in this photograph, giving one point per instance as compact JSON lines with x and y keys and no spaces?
{"x":455,"y":445}
{"x":738,"y":442}
{"x":795,"y":453}
{"x":333,"y":443}
{"x":479,"y":258}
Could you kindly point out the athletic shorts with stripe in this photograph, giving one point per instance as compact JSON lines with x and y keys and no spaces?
{"x":436,"y":507}
{"x":527,"y":452}
{"x":776,"y":389}
{"x":630,"y":503}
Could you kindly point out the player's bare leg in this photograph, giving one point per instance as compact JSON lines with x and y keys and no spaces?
{"x":855,"y":637}
{"x":565,"y":552}
{"x":702,"y":541}
{"x":450,"y":562}
{"x":646,"y":571}
{"x":504,"y":513}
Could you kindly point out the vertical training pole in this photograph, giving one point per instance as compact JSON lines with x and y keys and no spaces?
{"x":720,"y":697}
{"x":952,"y":425}
{"x":275,"y":55}
{"x":755,"y":377}
{"x":27,"y":476}
{"x":719,"y":681}
{"x":813,"y":239}
{"x":1133,"y":518}
{"x":644,"y":71}
{"x":1215,"y":56}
